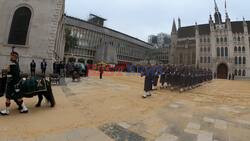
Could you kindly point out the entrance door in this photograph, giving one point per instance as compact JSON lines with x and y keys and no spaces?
{"x":222,"y":71}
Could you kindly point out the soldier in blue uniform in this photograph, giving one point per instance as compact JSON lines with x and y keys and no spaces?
{"x":13,"y":79}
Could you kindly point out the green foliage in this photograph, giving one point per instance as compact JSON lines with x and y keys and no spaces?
{"x":71,"y":41}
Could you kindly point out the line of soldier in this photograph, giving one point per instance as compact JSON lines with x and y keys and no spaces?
{"x":180,"y":77}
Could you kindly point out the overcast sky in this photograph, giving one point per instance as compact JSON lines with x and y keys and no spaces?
{"x":140,"y":18}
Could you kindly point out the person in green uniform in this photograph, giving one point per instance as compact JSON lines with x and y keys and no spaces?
{"x":13,"y":79}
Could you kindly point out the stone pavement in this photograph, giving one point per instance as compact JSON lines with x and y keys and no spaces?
{"x":82,"y":134}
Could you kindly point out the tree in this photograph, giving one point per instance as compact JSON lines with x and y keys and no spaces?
{"x":71,"y":41}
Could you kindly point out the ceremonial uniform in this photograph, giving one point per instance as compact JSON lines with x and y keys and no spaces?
{"x":14,"y":78}
{"x":148,"y":73}
{"x":12,"y":81}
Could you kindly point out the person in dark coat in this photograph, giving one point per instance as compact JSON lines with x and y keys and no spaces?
{"x":33,"y":68}
{"x":148,"y":73}
{"x":230,"y":76}
{"x":43,"y":66}
{"x":13,"y":79}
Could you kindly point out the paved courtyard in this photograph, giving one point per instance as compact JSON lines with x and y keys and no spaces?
{"x":112,"y":110}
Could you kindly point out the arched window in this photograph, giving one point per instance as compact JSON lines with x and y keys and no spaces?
{"x":239,"y":72}
{"x":226,"y":51}
{"x":244,"y":73}
{"x":208,"y":59}
{"x":218,"y":40}
{"x":221,"y":39}
{"x":19,"y":27}
{"x":222,"y":52}
{"x":235,"y":72}
{"x":243,"y":49}
{"x":244,"y":60}
{"x":201,"y":60}
{"x":205,"y":59}
{"x":239,"y":49}
{"x":240,"y":60}
{"x":239,"y":38}
{"x":225,"y":39}
{"x":218,"y":52}
{"x":235,"y":60}
{"x":235,"y":49}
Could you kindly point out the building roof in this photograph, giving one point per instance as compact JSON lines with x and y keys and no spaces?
{"x":237,"y":27}
{"x":204,"y":29}
{"x":188,"y":31}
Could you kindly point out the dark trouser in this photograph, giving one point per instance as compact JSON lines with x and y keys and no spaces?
{"x":33,"y":72}
{"x":43,"y":71}
{"x":101,"y":75}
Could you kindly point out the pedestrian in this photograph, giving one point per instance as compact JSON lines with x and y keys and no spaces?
{"x":43,"y":66}
{"x":101,"y":70}
{"x":14,"y":73}
{"x":33,"y":68}
{"x":230,"y":76}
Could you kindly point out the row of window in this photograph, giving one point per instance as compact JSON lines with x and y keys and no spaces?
{"x":90,"y":39}
{"x":240,"y":60}
{"x":222,"y":52}
{"x":204,"y":39}
{"x":240,"y":72}
{"x":221,"y":40}
{"x":205,"y":49}
{"x":205,"y":60}
{"x":239,"y":38}
{"x":239,"y":49}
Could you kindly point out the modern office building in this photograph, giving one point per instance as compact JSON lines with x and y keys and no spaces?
{"x":97,"y":43}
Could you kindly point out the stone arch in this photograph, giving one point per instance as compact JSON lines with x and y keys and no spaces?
{"x":222,"y":71}
{"x":10,"y":20}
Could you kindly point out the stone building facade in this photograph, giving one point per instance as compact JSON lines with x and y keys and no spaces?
{"x":222,"y":46}
{"x":97,"y":43}
{"x":35,"y":28}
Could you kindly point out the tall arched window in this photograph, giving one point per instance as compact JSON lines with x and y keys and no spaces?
{"x":218,"y":52}
{"x":239,"y":49}
{"x":226,"y":51}
{"x":222,"y":52}
{"x":244,"y":73}
{"x":244,"y":60}
{"x":239,"y":60}
{"x":243,"y":49}
{"x":19,"y":26}
{"x":239,"y":73}
{"x":235,"y":72}
{"x":235,"y":49}
{"x":235,"y":60}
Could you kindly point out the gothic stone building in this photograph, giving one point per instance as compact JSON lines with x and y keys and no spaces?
{"x":222,"y":46}
{"x":34,"y":28}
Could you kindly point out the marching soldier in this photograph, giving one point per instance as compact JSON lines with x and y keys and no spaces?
{"x":13,"y":79}
{"x":148,"y":73}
